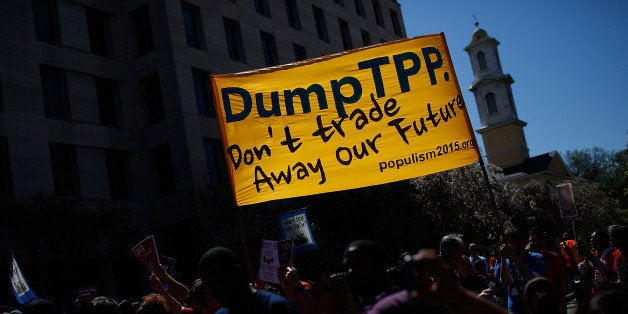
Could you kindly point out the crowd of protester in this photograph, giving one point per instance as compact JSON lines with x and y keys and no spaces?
{"x":523,"y":273}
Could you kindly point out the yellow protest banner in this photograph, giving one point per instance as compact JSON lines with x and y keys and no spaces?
{"x":368,"y":116}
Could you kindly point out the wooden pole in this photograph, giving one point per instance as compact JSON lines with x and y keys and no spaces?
{"x":247,"y":258}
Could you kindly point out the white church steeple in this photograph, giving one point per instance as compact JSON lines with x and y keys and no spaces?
{"x":501,"y":130}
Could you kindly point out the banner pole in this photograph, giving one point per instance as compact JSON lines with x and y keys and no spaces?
{"x":245,"y":247}
{"x":488,"y":184}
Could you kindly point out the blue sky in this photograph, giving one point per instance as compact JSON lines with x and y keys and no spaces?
{"x":569,"y":60}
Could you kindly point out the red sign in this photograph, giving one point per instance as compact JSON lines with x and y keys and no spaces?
{"x":86,"y":294}
{"x":146,"y":252}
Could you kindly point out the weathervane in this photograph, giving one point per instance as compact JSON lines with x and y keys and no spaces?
{"x":477,"y":24}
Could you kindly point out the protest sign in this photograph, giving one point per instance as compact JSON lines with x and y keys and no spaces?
{"x":87,"y":294}
{"x":295,"y":226}
{"x":168,"y":263}
{"x":566,"y":201}
{"x":146,"y":252}
{"x":364,"y":117}
{"x":273,"y":255}
{"x":19,"y":286}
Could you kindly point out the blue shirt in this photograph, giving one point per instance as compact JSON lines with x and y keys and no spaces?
{"x":535,"y":264}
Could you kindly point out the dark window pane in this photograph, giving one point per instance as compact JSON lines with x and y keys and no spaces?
{"x":151,"y":92}
{"x":143,"y":30}
{"x":98,"y":29}
{"x":345,"y":34}
{"x":293,"y":14}
{"x":261,"y":7}
{"x":117,"y":173}
{"x":269,"y":48}
{"x":234,"y":40}
{"x":366,"y":38}
{"x":64,"y":169}
{"x":107,"y":96}
{"x":482,"y":61}
{"x":359,"y":8}
{"x":321,"y":26}
{"x":396,"y":24}
{"x":6,"y":178}
{"x":215,"y":161}
{"x":54,"y":91}
{"x":379,"y":17}
{"x":299,"y":52}
{"x":164,"y":168}
{"x":191,"y":21}
{"x":46,"y":21}
{"x":202,"y":93}
{"x":491,"y":104}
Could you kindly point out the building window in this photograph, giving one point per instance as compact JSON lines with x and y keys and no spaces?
{"x":117,"y":173}
{"x":379,"y":17}
{"x":164,"y":169}
{"x":482,"y":61}
{"x":261,"y":7}
{"x":359,"y":7}
{"x":366,"y":38}
{"x":321,"y":26}
{"x":98,"y":29}
{"x":340,"y":2}
{"x":490,"y":103}
{"x":215,"y":162}
{"x":143,"y":30}
{"x":202,"y":93}
{"x":192,"y":23}
{"x":234,"y":40}
{"x":108,"y":101}
{"x":345,"y":34}
{"x":293,"y":14}
{"x":269,"y":48}
{"x":64,"y":169}
{"x":6,"y":182}
{"x":1,"y":97}
{"x":395,"y":23}
{"x":55,"y":92}
{"x":299,"y":52}
{"x":151,"y":93}
{"x":46,"y":21}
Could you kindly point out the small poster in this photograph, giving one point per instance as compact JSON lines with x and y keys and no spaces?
{"x":168,"y":263}
{"x":87,"y":294}
{"x":146,"y":252}
{"x":19,"y":286}
{"x":566,"y":201}
{"x":273,"y":255}
{"x":295,"y":227}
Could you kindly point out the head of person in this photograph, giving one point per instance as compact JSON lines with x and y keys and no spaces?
{"x":480,"y":267}
{"x":103,"y":305}
{"x":515,"y":239}
{"x":539,"y":296}
{"x":473,"y":249}
{"x":153,"y":303}
{"x":222,"y":274}
{"x":365,"y":267}
{"x":618,"y":237}
{"x":535,"y":239}
{"x":200,"y":300}
{"x":39,"y":306}
{"x":451,"y":249}
{"x":599,"y":240}
{"x":614,"y":300}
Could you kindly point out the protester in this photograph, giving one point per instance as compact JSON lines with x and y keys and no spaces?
{"x":334,"y":296}
{"x":597,"y":267}
{"x":440,"y":294}
{"x":153,"y":303}
{"x":365,"y":267}
{"x":556,"y":272}
{"x":222,"y":274}
{"x":516,"y":267}
{"x":102,"y":305}
{"x":618,"y":237}
{"x":540,"y":297}
{"x":474,"y":255}
{"x":295,"y":291}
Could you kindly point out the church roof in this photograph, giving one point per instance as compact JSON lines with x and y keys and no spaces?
{"x":536,"y":165}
